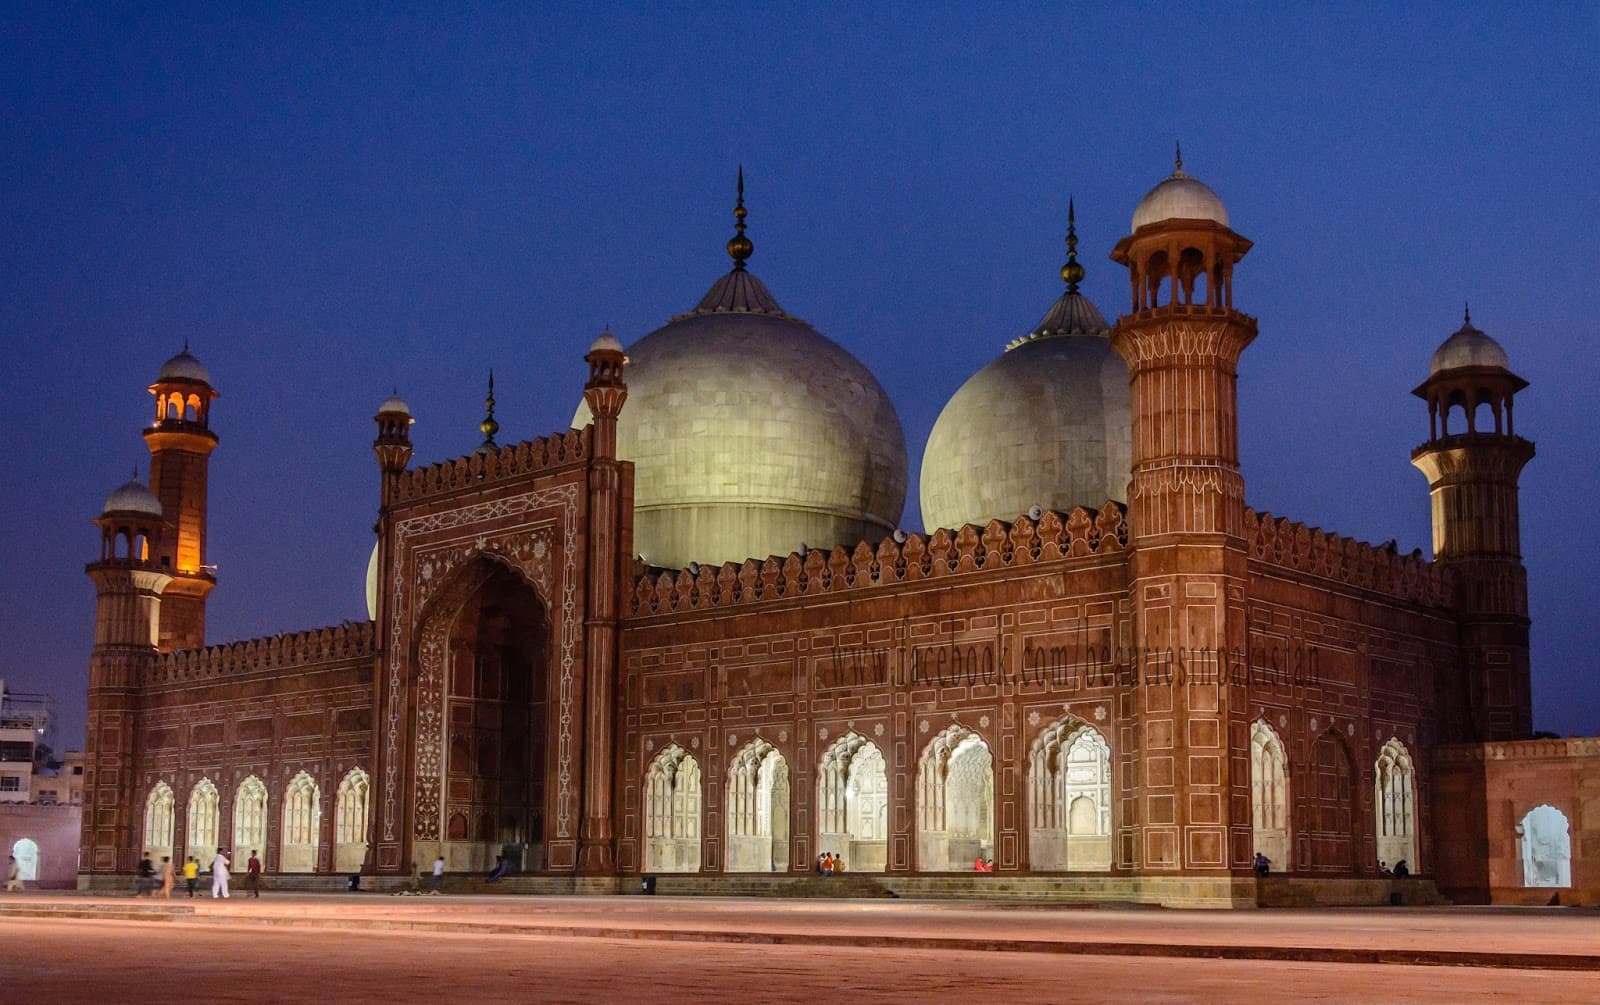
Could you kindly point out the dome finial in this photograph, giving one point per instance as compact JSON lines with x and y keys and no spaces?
{"x":1466,"y":312}
{"x":739,"y":246}
{"x":1177,"y":157}
{"x":1072,"y":272}
{"x":488,"y":425}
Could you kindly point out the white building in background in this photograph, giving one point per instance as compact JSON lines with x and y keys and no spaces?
{"x":24,"y":720}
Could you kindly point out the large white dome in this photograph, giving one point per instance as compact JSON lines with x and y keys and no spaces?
{"x":1046,"y":423}
{"x":751,"y":433}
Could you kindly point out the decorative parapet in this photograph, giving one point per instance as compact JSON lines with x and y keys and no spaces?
{"x":1519,"y":750}
{"x":351,"y":640}
{"x":1316,"y":552}
{"x":478,"y":469}
{"x":998,"y":545}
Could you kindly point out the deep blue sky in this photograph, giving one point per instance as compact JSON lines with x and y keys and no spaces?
{"x":327,"y":207}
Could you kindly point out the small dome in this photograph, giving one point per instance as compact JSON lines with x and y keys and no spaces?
{"x":1179,"y":197}
{"x":1468,"y":347}
{"x":606,"y":342}
{"x":133,"y":498}
{"x":394,"y":403}
{"x":184,"y":367}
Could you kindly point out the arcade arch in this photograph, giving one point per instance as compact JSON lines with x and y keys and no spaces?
{"x":955,"y":801}
{"x":853,"y":804}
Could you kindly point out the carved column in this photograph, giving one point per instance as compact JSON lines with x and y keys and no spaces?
{"x":605,"y":393}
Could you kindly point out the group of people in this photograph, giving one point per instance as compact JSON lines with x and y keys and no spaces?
{"x":981,"y":864}
{"x":1400,"y":871}
{"x":148,"y":882}
{"x":829,"y":863}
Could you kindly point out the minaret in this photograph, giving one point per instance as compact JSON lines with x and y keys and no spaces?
{"x":1472,"y":475}
{"x":129,"y":580}
{"x":180,"y":442}
{"x":610,"y":505}
{"x":1182,"y":341}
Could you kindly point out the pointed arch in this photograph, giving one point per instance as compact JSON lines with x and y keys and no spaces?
{"x":853,"y":804}
{"x":352,"y":815}
{"x":672,"y":801}
{"x":955,"y":801}
{"x":1269,"y":795}
{"x":1395,"y":806}
{"x":1546,"y":840}
{"x":204,"y":821}
{"x":758,"y":809}
{"x":1326,"y":829}
{"x":1069,"y":798}
{"x":159,"y":808}
{"x":250,"y":817}
{"x":302,"y":824}
{"x":481,"y":719}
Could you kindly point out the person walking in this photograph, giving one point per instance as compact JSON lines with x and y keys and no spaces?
{"x":252,"y":875}
{"x":167,"y":877}
{"x":144,"y":883}
{"x":438,"y":874}
{"x":219,"y":875}
{"x":13,"y":876}
{"x":191,"y":875}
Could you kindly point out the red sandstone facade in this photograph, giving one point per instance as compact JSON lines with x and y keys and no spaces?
{"x":524,"y":682}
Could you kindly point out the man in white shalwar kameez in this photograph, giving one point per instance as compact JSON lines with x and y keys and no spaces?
{"x":219,"y":876}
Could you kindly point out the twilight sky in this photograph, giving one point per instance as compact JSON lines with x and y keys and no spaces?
{"x":327,"y":207}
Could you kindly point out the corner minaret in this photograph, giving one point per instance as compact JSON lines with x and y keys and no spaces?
{"x":1182,"y":341}
{"x":610,"y":506}
{"x":180,"y":442}
{"x":1472,"y":475}
{"x":129,"y":579}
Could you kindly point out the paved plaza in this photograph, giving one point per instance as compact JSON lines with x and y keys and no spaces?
{"x":373,"y":947}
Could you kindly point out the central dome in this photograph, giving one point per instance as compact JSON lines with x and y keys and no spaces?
{"x":751,"y":434}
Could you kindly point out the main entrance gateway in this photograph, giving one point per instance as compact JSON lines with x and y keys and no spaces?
{"x":493,"y":649}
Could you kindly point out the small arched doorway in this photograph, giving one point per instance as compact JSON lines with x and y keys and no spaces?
{"x":1546,"y":840}
{"x":26,"y":852}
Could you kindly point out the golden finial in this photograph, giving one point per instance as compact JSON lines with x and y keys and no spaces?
{"x":1467,"y":314}
{"x":739,"y":246}
{"x":1177,"y":157}
{"x":1072,"y":272}
{"x":488,"y":425}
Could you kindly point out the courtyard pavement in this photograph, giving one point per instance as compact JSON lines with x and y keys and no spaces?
{"x":369,"y":947}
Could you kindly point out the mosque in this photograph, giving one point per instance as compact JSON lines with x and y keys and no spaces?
{"x":689,"y":638}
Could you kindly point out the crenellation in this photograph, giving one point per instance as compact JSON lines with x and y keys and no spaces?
{"x":968,"y":550}
{"x":269,"y":654}
{"x":1279,"y":541}
{"x":546,"y":453}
